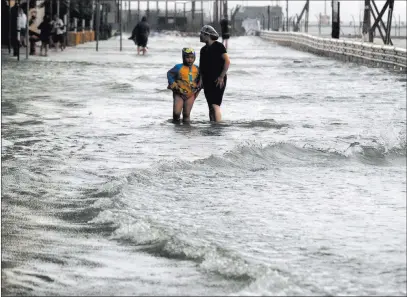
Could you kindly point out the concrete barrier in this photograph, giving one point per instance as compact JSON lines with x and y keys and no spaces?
{"x":75,"y":38}
{"x":350,"y":51}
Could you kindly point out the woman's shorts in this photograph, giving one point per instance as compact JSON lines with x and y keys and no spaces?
{"x":213,"y":93}
{"x":142,"y":41}
{"x":58,"y":38}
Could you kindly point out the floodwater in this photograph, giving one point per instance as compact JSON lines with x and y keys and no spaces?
{"x":300,"y":191}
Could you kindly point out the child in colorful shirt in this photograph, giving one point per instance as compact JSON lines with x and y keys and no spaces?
{"x":183,"y":80}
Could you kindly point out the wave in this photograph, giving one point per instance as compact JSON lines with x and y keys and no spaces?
{"x":252,"y":156}
{"x":243,"y":72}
{"x":144,"y":77}
{"x":249,"y":157}
{"x":75,"y":64}
{"x":161,"y":241}
{"x":162,"y":90}
{"x":375,"y":155}
{"x":262,"y":124}
{"x":265,"y":123}
{"x":119,"y":86}
{"x":8,"y":108}
{"x":142,"y":225}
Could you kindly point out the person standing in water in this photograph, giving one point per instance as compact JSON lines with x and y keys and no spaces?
{"x":22,"y":23}
{"x":183,"y":80}
{"x":46,"y":29}
{"x":58,"y":32}
{"x":213,"y":65}
{"x":140,"y":35}
{"x":224,"y":26}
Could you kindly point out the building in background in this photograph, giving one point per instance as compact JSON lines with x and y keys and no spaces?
{"x":258,"y":14}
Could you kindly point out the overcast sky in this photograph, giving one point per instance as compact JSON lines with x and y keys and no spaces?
{"x":348,"y":7}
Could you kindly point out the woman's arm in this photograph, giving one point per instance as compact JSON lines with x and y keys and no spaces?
{"x":225,"y":57}
{"x":220,"y":81}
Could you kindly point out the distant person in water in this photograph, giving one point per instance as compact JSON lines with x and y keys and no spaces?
{"x":224,"y":26}
{"x":213,"y":64}
{"x":140,"y":35}
{"x":183,"y":80}
{"x":58,"y":32}
{"x":46,"y":33}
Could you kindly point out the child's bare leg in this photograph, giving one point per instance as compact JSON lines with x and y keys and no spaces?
{"x":177,"y":107}
{"x":188,"y":104}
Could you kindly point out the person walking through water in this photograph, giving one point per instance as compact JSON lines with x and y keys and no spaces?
{"x":140,"y":35}
{"x":183,"y":80}
{"x":22,"y":23}
{"x":213,"y":65}
{"x":46,"y":29}
{"x":58,"y":32}
{"x":224,"y":26}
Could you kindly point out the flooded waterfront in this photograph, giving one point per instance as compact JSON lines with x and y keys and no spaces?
{"x":300,"y":191}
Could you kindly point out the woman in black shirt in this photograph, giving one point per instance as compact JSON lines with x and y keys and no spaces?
{"x":213,"y":64}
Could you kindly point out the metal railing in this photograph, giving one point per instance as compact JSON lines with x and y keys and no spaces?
{"x":353,"y":51}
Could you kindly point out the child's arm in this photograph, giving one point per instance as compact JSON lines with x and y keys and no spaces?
{"x":172,"y":75}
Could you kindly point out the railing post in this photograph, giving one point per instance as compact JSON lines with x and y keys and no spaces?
{"x":286,"y":9}
{"x":27,"y":29}
{"x":17,"y":42}
{"x":335,"y":19}
{"x":97,"y":24}
{"x":121,"y":24}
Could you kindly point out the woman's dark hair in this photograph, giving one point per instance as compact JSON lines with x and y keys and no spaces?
{"x":143,"y":19}
{"x":213,"y":37}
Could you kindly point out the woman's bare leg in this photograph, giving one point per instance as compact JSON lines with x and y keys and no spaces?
{"x":217,"y":116}
{"x":211,"y":113}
